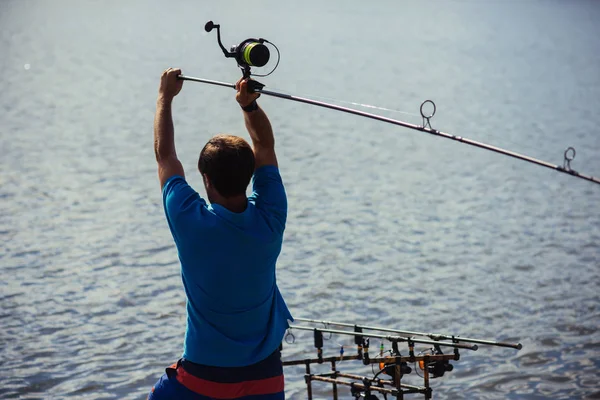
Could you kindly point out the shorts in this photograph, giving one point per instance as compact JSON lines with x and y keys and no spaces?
{"x":185,"y":380}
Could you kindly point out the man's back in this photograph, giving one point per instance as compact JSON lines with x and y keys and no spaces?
{"x":236,"y":315}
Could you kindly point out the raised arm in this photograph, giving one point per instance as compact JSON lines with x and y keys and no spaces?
{"x":258,"y":125}
{"x":164,"y":133}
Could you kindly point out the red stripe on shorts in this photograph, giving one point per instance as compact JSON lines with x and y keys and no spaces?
{"x":230,"y":390}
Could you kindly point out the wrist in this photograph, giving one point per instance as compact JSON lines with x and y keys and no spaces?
{"x":253,"y":106}
{"x":163,"y":99}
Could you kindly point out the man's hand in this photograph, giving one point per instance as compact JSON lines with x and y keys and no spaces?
{"x":242,"y":96}
{"x":170,"y":86}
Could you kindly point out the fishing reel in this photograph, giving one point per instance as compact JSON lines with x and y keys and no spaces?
{"x":389,"y":368}
{"x":249,"y":53}
{"x":358,"y":393}
{"x":436,"y":369}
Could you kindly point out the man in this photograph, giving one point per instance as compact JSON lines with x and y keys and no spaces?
{"x":236,"y":316}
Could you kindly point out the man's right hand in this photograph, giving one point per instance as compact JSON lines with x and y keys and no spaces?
{"x":170,"y":84}
{"x":243,"y":96}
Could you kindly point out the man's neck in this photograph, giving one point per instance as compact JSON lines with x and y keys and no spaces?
{"x":236,"y":204}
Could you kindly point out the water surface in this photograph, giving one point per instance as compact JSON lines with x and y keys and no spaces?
{"x":387,"y":226}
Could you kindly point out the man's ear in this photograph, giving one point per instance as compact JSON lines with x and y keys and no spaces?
{"x":206,"y":181}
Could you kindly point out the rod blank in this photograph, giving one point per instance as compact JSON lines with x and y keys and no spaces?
{"x":433,"y":336}
{"x":406,"y":125}
{"x":387,"y":337}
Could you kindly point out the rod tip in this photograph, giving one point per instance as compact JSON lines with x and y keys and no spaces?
{"x":519,"y":346}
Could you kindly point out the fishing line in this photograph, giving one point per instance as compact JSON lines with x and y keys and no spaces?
{"x":276,"y":64}
{"x":364,"y":105}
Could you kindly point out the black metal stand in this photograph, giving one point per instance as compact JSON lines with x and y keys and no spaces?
{"x":365,"y":385}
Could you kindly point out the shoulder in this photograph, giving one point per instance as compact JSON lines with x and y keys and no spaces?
{"x":176,"y":188}
{"x":179,"y":198}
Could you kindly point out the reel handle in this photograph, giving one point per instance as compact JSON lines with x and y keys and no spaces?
{"x":210,"y":25}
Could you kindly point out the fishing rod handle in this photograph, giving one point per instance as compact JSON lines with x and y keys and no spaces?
{"x":210,"y":82}
{"x":253,"y":86}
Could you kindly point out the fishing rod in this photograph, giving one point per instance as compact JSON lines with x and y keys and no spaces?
{"x":391,"y":338}
{"x":393,"y":366}
{"x":432,"y":336}
{"x":255,"y":53}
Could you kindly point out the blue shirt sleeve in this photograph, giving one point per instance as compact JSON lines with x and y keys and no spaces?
{"x":181,"y":204}
{"x":269,"y":194}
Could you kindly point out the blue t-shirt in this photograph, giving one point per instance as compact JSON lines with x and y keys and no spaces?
{"x":236,"y":315}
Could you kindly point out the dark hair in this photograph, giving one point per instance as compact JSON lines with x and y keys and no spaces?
{"x":228,"y":162}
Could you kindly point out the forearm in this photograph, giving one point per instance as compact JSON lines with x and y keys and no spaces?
{"x":259,"y":128}
{"x":164,"y":133}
